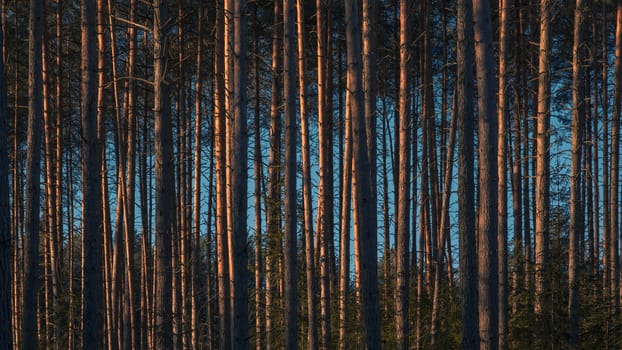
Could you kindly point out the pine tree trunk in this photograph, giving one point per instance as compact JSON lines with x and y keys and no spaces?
{"x":344,"y":249}
{"x":502,"y":150}
{"x":576,"y":208}
{"x":363,"y":189}
{"x":542,"y":161}
{"x":289,"y":234}
{"x":6,"y":283}
{"x":33,"y":170}
{"x":403,"y":204}
{"x":614,"y":229}
{"x":91,"y":153}
{"x":274,"y":184}
{"x":487,"y":223}
{"x":239,"y":186}
{"x":220,"y":150}
{"x":312,"y":340}
{"x":325,"y":195}
{"x":164,"y":183}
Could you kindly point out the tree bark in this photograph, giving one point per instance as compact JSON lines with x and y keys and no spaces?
{"x":403,"y":203}
{"x":164,"y":182}
{"x":487,"y":222}
{"x":502,"y":143}
{"x":239,"y":185}
{"x":220,"y":151}
{"x":542,"y":160}
{"x":289,"y":234}
{"x":91,"y":162}
{"x":312,"y":340}
{"x":325,"y":217}
{"x":576,"y":208}
{"x":33,"y":170}
{"x":362,"y":194}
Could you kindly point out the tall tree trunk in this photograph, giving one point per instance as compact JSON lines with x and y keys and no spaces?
{"x":164,"y":192}
{"x":6,"y":282}
{"x":289,"y":234}
{"x":239,"y":184}
{"x":195,"y":258}
{"x":33,"y":170}
{"x":502,"y":117}
{"x":274,"y":188}
{"x":403,"y":204}
{"x":487,"y":222}
{"x":344,"y":249}
{"x":91,"y":162}
{"x":220,"y":150}
{"x":614,"y":229}
{"x":258,"y":169}
{"x":576,"y":208}
{"x":542,"y":160}
{"x":325,"y":216}
{"x":362,"y":195}
{"x":312,"y":341}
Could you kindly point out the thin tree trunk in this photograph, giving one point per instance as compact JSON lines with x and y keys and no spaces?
{"x":195,"y":250}
{"x":289,"y":234}
{"x":403,"y":204}
{"x":6,"y":283}
{"x":325,"y":172}
{"x":502,"y":137}
{"x":576,"y":208}
{"x":274,"y":188}
{"x":258,"y":165}
{"x":312,"y":340}
{"x":443,"y":229}
{"x":487,"y":223}
{"x":33,"y":170}
{"x":344,"y":250}
{"x":614,"y":229}
{"x":220,"y":150}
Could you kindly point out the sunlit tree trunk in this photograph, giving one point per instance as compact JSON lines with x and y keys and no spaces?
{"x":502,"y":150}
{"x":542,"y":160}
{"x":576,"y":208}
{"x":487,"y":222}
{"x":220,"y":151}
{"x":403,"y":204}
{"x":312,"y":341}
{"x":33,"y":170}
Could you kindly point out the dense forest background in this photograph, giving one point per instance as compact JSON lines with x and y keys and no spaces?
{"x":323,"y":174}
